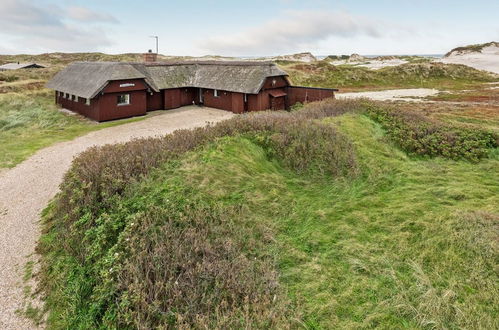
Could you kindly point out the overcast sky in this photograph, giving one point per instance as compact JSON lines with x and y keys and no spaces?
{"x":246,"y":28}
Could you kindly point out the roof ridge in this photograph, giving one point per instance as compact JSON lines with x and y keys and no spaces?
{"x":190,"y":62}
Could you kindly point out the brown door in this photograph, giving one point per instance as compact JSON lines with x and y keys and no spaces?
{"x":277,"y":103}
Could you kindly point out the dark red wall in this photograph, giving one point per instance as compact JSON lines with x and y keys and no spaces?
{"x":178,"y":97}
{"x":172,"y":98}
{"x":280,"y":81}
{"x":262,"y":100}
{"x":154,"y":101}
{"x":229,"y":101}
{"x":187,"y":96}
{"x":90,"y":111}
{"x":114,"y":86}
{"x":109,"y":108}
{"x":307,"y":94}
{"x":105,"y":106}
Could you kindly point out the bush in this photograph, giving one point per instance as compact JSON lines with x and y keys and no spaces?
{"x":420,"y":135}
{"x":296,"y":106}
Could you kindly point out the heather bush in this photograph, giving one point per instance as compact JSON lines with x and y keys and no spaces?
{"x":188,"y":264}
{"x":421,"y":135}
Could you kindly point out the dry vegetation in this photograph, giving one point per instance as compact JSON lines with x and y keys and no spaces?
{"x":309,"y":218}
{"x":410,"y":75}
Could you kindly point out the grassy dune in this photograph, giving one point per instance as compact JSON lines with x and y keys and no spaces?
{"x":411,"y":75}
{"x":312,"y":219}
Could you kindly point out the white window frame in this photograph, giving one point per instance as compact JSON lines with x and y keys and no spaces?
{"x":245,"y":97}
{"x":127,"y":97}
{"x":216,"y":93}
{"x":75,"y":98}
{"x":87,"y":101}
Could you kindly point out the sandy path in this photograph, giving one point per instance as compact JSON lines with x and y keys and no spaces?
{"x":410,"y":94}
{"x":27,"y":188}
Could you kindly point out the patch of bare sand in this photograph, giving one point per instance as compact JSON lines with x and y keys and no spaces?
{"x":410,"y":94}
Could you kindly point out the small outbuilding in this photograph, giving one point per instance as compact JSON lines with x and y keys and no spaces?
{"x":111,"y":90}
{"x":17,"y":65}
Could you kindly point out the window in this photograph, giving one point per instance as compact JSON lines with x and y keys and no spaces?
{"x":76,"y":98}
{"x":274,"y":82}
{"x":66,"y":95}
{"x":215,"y":93}
{"x":124,"y":99}
{"x":245,"y":97}
{"x":87,"y":101}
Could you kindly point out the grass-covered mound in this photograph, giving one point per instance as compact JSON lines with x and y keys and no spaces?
{"x":312,"y":218}
{"x":189,"y":258}
{"x":410,"y":75}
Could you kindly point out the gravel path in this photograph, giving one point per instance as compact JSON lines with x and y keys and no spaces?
{"x":27,"y":188}
{"x":409,"y":94}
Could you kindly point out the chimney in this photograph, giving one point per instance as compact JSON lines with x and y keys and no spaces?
{"x":150,"y":56}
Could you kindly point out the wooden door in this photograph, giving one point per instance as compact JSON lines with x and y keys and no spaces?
{"x":277,"y":103}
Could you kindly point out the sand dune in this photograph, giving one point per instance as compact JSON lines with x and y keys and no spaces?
{"x":487,"y":59}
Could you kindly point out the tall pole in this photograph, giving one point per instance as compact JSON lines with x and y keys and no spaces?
{"x":157,"y":49}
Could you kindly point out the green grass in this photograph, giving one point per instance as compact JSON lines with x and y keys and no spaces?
{"x":31,"y":121}
{"x":397,"y":248}
{"x":406,"y":243}
{"x":413,"y":243}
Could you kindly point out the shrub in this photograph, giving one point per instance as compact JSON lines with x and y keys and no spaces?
{"x":420,"y":135}
{"x":296,"y":106}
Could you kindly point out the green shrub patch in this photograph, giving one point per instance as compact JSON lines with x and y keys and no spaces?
{"x":420,"y":135}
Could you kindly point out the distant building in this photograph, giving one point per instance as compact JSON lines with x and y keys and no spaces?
{"x":17,"y":65}
{"x":111,"y":90}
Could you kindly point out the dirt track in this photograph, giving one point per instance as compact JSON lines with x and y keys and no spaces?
{"x":27,"y":188}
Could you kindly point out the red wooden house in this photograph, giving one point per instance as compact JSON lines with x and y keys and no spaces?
{"x":111,"y":90}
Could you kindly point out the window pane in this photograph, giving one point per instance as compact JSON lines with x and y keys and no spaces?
{"x":123,"y":99}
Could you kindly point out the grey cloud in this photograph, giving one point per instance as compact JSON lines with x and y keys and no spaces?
{"x":33,"y":28}
{"x":293,"y":30}
{"x":86,"y":15}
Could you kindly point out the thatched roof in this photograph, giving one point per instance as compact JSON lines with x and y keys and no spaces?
{"x":17,"y":65}
{"x":87,"y":79}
